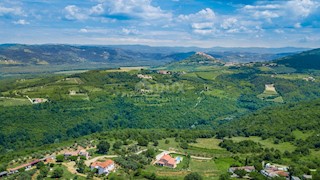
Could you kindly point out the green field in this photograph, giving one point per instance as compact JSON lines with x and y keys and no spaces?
{"x":211,"y":143}
{"x":302,"y":135}
{"x":268,"y":143}
{"x":14,"y":101}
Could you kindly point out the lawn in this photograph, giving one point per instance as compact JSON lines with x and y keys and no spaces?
{"x":66,"y":174}
{"x":302,"y":135}
{"x":211,"y":143}
{"x":268,"y":143}
{"x":208,"y":169}
{"x":14,"y":101}
{"x":172,"y":144}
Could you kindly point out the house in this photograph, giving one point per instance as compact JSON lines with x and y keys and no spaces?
{"x":4,"y":173}
{"x":164,"y":72}
{"x":72,"y":92}
{"x":246,"y":168}
{"x":71,"y":153}
{"x":164,"y":159}
{"x":312,"y":79}
{"x":305,"y":176}
{"x":82,"y":152}
{"x":275,"y":170}
{"x":141,"y":76}
{"x":103,"y":167}
{"x":16,"y":169}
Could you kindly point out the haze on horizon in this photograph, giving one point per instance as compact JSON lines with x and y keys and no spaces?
{"x":202,"y":23}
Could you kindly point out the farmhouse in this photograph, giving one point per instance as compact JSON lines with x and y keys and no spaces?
{"x":164,"y":159}
{"x":24,"y":166}
{"x":4,"y":173}
{"x":275,"y":170}
{"x":103,"y":167}
{"x":246,"y":168}
{"x":270,"y":87}
{"x":141,"y":76}
{"x":82,"y":152}
{"x":164,"y":72}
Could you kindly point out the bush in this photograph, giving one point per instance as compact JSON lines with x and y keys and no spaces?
{"x":193,"y":176}
{"x":57,"y":173}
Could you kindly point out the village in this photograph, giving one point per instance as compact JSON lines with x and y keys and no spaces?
{"x":103,"y":165}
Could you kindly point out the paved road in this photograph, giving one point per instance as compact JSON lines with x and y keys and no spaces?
{"x":193,"y":157}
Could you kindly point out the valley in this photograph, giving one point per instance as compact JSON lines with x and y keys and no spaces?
{"x":213,"y":114}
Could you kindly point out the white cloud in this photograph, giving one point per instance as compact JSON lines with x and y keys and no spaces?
{"x":297,"y":25}
{"x":302,"y":8}
{"x":10,"y":10}
{"x":129,"y":31}
{"x":205,"y":25}
{"x":127,"y":9}
{"x":203,"y":15}
{"x":75,"y":13}
{"x":21,"y":22}
{"x":83,"y":30}
{"x":229,"y":23}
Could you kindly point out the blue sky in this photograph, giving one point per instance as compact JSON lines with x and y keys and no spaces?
{"x":203,"y":23}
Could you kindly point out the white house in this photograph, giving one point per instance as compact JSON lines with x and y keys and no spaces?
{"x":103,"y":167}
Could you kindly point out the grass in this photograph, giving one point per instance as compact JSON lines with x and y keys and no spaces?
{"x":14,"y":101}
{"x":66,"y":174}
{"x":268,"y":143}
{"x":172,"y":144}
{"x":302,"y":135}
{"x":211,"y":143}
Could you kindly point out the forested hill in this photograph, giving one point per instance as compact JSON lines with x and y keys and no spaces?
{"x":305,"y":60}
{"x":279,"y":123}
{"x":15,"y":54}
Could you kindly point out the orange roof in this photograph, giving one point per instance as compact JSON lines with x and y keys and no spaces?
{"x":166,"y":157}
{"x":169,"y":159}
{"x":103,"y":164}
{"x":282,"y":173}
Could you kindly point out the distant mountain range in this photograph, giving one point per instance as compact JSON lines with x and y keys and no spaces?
{"x":18,"y":54}
{"x":305,"y":60}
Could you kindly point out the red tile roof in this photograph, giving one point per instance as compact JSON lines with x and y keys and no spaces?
{"x":104,"y":164}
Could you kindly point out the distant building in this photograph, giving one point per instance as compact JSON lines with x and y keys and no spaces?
{"x":103,"y":167}
{"x":72,"y":92}
{"x":246,"y":168}
{"x":312,"y":79}
{"x":141,"y":76}
{"x":275,"y":170}
{"x":82,"y":152}
{"x":164,"y":159}
{"x":164,"y":72}
{"x":4,"y":173}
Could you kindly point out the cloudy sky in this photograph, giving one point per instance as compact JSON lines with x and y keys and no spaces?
{"x":204,"y":23}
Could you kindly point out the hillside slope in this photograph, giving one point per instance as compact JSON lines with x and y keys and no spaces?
{"x":15,"y":54}
{"x":305,"y":60}
{"x":279,"y":122}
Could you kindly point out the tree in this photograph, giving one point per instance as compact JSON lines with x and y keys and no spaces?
{"x":40,"y":165}
{"x":193,"y":176}
{"x":60,"y":158}
{"x":44,"y":171}
{"x":150,"y":153}
{"x":57,"y":173}
{"x":240,"y":172}
{"x":184,"y":145}
{"x":155,"y":143}
{"x":166,"y":141}
{"x":81,"y":166}
{"x":258,"y":166}
{"x":224,"y":176}
{"x":117,"y":145}
{"x":143,"y":142}
{"x":103,"y":147}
